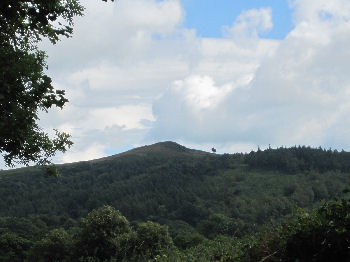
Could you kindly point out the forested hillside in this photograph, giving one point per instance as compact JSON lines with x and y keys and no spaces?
{"x":200,"y":196}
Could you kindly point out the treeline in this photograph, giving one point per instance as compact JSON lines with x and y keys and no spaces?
{"x":105,"y":235}
{"x":299,"y":159}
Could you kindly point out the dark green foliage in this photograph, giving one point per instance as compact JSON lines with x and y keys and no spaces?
{"x":222,"y":248}
{"x":324,"y":236}
{"x":31,"y":228}
{"x":24,"y":23}
{"x":24,"y":86}
{"x":55,"y":246}
{"x":167,"y":182}
{"x":214,"y":205}
{"x":25,"y":89}
{"x":126,"y":247}
{"x":185,"y":240}
{"x":13,"y":248}
{"x":299,"y":159}
{"x":321,"y":235}
{"x":51,"y":170}
{"x":99,"y":232}
{"x":152,"y":239}
{"x":104,"y":235}
{"x":217,"y":224}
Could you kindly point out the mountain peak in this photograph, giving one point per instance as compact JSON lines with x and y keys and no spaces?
{"x":160,"y":147}
{"x":169,"y":145}
{"x":166,"y":148}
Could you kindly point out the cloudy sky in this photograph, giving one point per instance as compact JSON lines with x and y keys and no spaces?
{"x":230,"y":74}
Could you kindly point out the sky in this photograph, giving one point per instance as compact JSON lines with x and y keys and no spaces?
{"x":233,"y":75}
{"x":208,"y":17}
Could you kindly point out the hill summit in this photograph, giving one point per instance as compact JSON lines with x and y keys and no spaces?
{"x":164,"y":149}
{"x":167,"y":147}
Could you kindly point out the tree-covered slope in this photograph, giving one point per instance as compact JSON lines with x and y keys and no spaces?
{"x":183,"y":188}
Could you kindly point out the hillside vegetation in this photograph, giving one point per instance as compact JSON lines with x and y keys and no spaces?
{"x":200,"y":196}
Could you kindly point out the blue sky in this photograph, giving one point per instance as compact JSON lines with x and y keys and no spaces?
{"x":208,"y":16}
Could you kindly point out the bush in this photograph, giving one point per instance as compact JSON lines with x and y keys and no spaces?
{"x":55,"y":246}
{"x":321,"y":235}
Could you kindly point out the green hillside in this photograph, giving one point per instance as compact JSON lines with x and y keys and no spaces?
{"x":199,"y":207}
{"x":183,"y":188}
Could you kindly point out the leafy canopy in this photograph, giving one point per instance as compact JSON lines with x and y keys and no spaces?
{"x":25,"y":88}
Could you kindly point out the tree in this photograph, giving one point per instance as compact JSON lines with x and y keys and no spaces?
{"x":25,"y":88}
{"x":153,"y":239}
{"x":99,"y":233}
{"x":320,"y":235}
{"x":55,"y":246}
{"x":13,"y":247}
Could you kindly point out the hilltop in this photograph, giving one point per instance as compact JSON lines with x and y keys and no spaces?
{"x":167,"y":148}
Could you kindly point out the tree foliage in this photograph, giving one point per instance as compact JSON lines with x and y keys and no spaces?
{"x":13,"y":248}
{"x":25,"y":88}
{"x":320,"y":235}
{"x":216,"y":207}
{"x":99,"y":232}
{"x":56,"y":245}
{"x":299,"y":159}
{"x":184,"y":189}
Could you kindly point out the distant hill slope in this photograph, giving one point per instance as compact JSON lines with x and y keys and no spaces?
{"x":181,"y":187}
{"x":168,"y":148}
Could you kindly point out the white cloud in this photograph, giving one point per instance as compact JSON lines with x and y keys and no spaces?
{"x":93,"y":151}
{"x":135,"y":75}
{"x":151,"y":16}
{"x":201,"y":92}
{"x":298,"y":95}
{"x":210,"y":105}
{"x":315,"y":11}
{"x":250,"y":24}
{"x":299,"y":91}
{"x":122,"y":78}
{"x":121,"y":32}
{"x":127,"y":116}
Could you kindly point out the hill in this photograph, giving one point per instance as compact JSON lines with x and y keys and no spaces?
{"x":188,"y":190}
